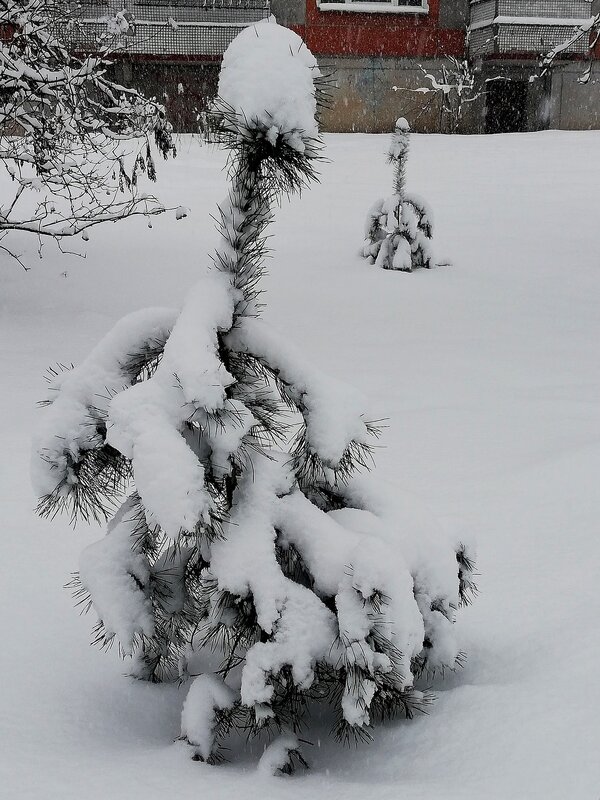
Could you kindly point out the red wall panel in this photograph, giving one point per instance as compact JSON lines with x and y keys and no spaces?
{"x":349,"y":33}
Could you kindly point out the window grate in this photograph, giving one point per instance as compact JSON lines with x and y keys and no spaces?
{"x":167,"y":28}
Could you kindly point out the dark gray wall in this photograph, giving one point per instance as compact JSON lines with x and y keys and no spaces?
{"x":289,"y":12}
{"x":575,"y":106}
{"x":184,"y":89}
{"x":454,"y":13}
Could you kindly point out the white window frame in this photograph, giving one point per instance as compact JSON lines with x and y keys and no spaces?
{"x":376,"y":7}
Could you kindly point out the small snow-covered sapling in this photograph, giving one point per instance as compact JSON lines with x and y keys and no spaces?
{"x":398,"y":228}
{"x":242,"y":527}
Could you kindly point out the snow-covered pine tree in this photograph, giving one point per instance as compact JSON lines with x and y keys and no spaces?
{"x":245,"y":531}
{"x":73,"y":142}
{"x":398,"y":228}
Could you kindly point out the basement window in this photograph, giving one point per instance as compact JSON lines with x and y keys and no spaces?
{"x":377,"y":7}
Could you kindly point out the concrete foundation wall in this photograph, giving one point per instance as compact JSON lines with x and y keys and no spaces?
{"x":558,"y":101}
{"x":365,"y":101}
{"x":575,"y":106}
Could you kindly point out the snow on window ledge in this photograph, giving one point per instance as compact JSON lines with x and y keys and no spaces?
{"x":566,"y":22}
{"x":381,"y":7}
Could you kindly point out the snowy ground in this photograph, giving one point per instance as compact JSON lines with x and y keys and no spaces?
{"x":490,"y":376}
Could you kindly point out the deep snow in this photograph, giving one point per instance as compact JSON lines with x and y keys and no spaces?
{"x":489,"y":373}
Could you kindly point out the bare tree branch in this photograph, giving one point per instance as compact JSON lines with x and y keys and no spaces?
{"x":454,"y":87}
{"x":590,"y":30}
{"x":73,"y":143}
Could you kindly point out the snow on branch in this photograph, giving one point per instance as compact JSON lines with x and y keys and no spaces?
{"x":269,"y":95}
{"x":334,"y":414}
{"x":207,"y":696}
{"x":147,"y":420}
{"x":74,"y":144}
{"x":281,"y":755}
{"x":453,"y":87}
{"x":71,"y":459}
{"x":267,"y":81}
{"x":114,"y":574}
{"x":589,"y":30}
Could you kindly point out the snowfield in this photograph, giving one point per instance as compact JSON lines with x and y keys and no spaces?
{"x":489,"y":374}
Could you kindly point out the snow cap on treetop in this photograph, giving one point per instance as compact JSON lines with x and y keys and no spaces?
{"x":267,"y":78}
{"x":402,"y":124}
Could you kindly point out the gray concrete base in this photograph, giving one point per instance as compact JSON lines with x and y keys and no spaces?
{"x":575,"y":106}
{"x":364,"y":99}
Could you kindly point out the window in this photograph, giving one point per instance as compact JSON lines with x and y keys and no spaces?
{"x":377,"y":6}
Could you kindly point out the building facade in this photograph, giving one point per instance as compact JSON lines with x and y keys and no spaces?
{"x":377,"y":54}
{"x":168,"y":49}
{"x":507,"y":39}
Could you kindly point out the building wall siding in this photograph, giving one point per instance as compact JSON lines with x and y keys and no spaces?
{"x":454,"y":14}
{"x":344,"y":33}
{"x":291,"y":13}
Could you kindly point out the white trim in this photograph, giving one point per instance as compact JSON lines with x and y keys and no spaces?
{"x":365,"y":7}
{"x":535,"y":21}
{"x":149,"y":23}
{"x":563,"y":22}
